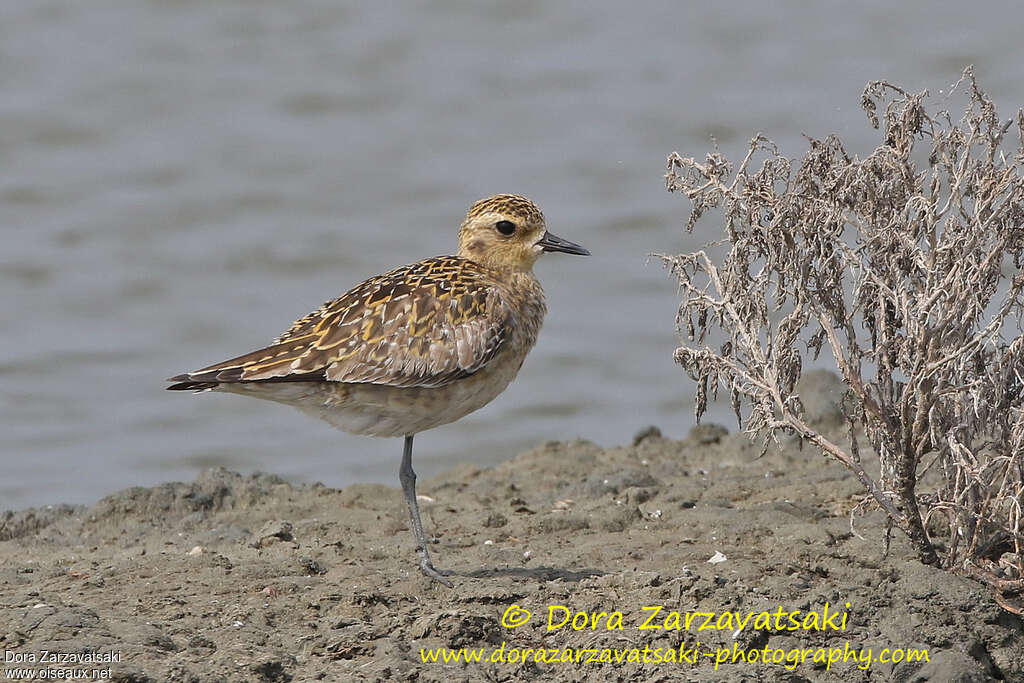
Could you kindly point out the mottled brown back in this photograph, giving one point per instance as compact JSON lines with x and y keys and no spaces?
{"x":424,"y":325}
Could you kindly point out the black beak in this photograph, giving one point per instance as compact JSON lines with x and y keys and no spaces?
{"x":551,"y":242}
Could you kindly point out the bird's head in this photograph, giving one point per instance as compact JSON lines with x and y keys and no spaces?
{"x":508,"y":231}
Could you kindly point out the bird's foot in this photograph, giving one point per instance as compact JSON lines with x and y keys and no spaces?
{"x":428,"y":569}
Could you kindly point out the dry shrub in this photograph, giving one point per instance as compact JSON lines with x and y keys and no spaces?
{"x":905,"y":268}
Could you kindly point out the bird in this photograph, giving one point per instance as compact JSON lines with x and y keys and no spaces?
{"x":415,"y":348}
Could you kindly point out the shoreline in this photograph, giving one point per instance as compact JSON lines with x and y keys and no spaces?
{"x":233,"y":577}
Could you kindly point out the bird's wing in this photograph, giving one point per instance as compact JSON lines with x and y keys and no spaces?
{"x":426,"y":324}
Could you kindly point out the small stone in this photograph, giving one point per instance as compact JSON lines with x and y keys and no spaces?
{"x":651,"y":432}
{"x":495,"y":520}
{"x":312,"y":567}
{"x":706,"y":433}
{"x":272,"y":532}
{"x":717,"y":558}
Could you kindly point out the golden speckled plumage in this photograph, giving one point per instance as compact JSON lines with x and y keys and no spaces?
{"x":422,"y":325}
{"x":415,"y":348}
{"x":509,"y":204}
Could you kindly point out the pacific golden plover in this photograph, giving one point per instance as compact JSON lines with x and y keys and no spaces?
{"x":415,"y":348}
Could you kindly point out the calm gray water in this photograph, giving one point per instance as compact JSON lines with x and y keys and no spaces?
{"x":180,"y":180}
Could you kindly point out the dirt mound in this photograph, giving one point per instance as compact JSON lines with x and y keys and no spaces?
{"x":250,"y":578}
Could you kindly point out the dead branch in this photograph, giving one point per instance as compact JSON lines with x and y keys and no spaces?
{"x":904,"y":266}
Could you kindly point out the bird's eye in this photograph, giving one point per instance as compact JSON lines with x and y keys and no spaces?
{"x":505,"y":227}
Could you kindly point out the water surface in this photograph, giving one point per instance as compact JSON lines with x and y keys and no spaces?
{"x":180,"y":180}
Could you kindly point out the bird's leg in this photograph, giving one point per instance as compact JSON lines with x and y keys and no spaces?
{"x":408,"y":479}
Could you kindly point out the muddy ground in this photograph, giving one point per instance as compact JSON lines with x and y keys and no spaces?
{"x":252,"y":578}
